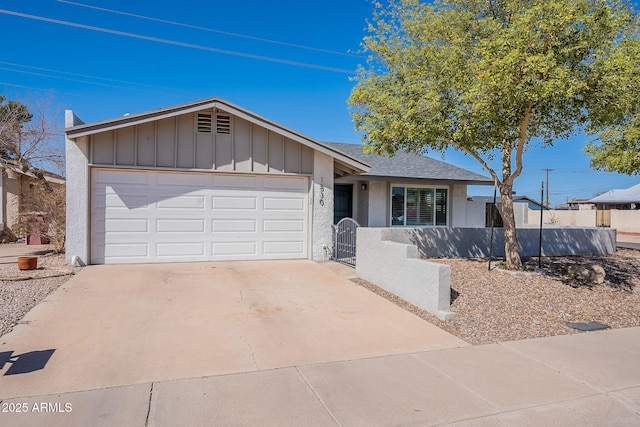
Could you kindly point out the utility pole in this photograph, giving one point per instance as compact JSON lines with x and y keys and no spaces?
{"x":547,"y":170}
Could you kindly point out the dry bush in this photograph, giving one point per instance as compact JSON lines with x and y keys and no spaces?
{"x":43,"y":212}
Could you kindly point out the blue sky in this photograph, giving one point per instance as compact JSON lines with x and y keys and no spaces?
{"x":288,"y":61}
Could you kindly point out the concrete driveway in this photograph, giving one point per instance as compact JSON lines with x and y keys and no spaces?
{"x":134,"y":324}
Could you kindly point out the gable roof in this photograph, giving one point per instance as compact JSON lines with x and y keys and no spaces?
{"x":345,"y":164}
{"x":627,"y":195}
{"x":410,"y":165}
{"x":12,"y":165}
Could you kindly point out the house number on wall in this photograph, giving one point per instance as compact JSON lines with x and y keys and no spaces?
{"x":321,"y":191}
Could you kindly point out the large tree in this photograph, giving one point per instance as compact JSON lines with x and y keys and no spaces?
{"x":489,"y":77}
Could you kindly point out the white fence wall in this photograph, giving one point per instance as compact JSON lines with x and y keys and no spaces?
{"x":625,"y":221}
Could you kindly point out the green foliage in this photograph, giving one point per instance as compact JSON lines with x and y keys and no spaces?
{"x":620,"y":149}
{"x":488,"y":77}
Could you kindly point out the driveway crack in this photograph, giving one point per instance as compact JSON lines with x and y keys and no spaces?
{"x":149,"y":407}
{"x":247,"y":312}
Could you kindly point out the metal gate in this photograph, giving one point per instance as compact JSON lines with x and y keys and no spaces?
{"x":344,"y":241}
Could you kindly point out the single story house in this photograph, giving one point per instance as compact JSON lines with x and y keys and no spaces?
{"x":621,"y":199}
{"x":14,"y":184}
{"x":209,"y":180}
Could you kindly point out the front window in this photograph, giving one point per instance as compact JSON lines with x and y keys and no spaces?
{"x":418,"y":206}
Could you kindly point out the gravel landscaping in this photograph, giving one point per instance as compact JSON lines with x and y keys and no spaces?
{"x":495,"y":306}
{"x":20,"y":290}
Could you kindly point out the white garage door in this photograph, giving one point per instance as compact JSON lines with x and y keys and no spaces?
{"x":145,"y":216}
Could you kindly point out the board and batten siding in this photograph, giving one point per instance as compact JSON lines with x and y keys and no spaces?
{"x":205,"y":140}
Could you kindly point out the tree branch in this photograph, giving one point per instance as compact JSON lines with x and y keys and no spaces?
{"x":476,"y":156}
{"x":522,"y":139}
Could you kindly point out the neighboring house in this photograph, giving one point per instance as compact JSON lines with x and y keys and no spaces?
{"x":624,"y":199}
{"x":619,"y":209}
{"x":209,"y":180}
{"x":405,"y":190}
{"x":15,"y":183}
{"x":576,"y":205}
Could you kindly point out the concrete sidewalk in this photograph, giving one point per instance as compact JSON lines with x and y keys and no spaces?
{"x":588,"y":379}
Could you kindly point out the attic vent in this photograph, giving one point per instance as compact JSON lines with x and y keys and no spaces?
{"x":204,"y":122}
{"x":223,"y":124}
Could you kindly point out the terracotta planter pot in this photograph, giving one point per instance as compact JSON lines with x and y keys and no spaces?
{"x":27,"y":262}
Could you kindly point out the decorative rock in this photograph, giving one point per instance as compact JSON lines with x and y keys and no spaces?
{"x":579,"y":272}
{"x":597,"y":274}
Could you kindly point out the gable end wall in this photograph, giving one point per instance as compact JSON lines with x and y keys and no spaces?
{"x":176,"y":143}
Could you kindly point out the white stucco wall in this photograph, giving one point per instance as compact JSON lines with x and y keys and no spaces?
{"x":77,"y":172}
{"x":521,"y":213}
{"x":567,"y":218}
{"x":322,"y":207}
{"x":627,"y":221}
{"x":475,"y":214}
{"x":378,"y":204}
{"x":396,"y":267}
{"x":458,"y":206}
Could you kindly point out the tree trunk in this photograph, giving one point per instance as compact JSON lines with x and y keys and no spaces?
{"x":511,"y":251}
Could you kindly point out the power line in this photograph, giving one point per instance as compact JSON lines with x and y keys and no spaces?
{"x":39,"y":89}
{"x":177,"y":43}
{"x":76,"y":80}
{"x":226,"y":33}
{"x":88,"y":76}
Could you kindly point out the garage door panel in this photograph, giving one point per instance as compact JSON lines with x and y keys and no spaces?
{"x":279,"y":225}
{"x":282,"y":248}
{"x":177,"y":250}
{"x":283,"y":204}
{"x":243,"y":217}
{"x":126,"y":225}
{"x":234,"y":249}
{"x":172,"y":201}
{"x":180,"y":226}
{"x":123,"y":201}
{"x":128,"y":250}
{"x":112,"y":177}
{"x":234,"y":203}
{"x":235,"y":182}
{"x":297,"y":184}
{"x":170,"y":179}
{"x":234,"y":226}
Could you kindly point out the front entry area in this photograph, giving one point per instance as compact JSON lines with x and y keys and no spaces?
{"x":162,"y":216}
{"x":342,"y":202}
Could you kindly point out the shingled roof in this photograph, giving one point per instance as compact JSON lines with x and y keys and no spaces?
{"x":626,"y":195}
{"x":410,"y":165}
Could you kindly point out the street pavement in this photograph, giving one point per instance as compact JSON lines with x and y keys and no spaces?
{"x":628,"y":241}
